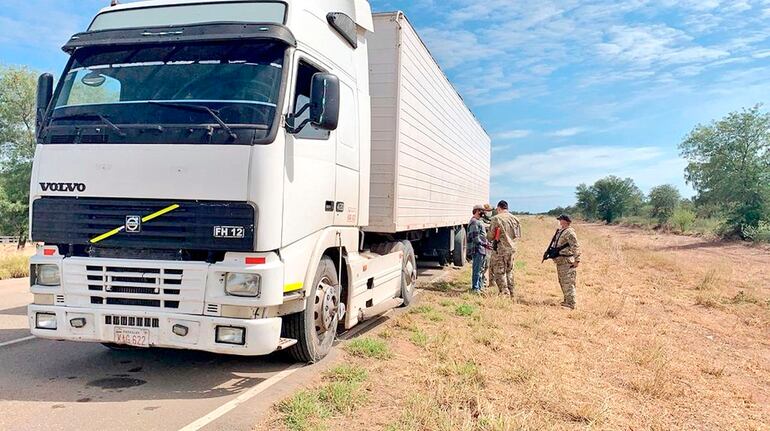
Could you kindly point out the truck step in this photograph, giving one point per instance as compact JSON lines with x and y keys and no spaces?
{"x":285,"y":343}
{"x":379,"y":309}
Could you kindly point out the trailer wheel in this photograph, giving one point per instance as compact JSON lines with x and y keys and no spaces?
{"x":408,"y":273}
{"x":458,"y":255}
{"x":316,"y":328}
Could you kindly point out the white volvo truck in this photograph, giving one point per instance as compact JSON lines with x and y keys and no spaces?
{"x":243,"y":177}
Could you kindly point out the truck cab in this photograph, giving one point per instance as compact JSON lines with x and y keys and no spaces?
{"x":201,"y":177}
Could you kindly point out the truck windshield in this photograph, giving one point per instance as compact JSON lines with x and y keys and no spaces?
{"x":241,"y":82}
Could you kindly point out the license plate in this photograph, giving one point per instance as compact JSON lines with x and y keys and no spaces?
{"x":132,"y":337}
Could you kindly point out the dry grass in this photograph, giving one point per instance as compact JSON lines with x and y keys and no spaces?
{"x":670,"y":333}
{"x":13,"y":265}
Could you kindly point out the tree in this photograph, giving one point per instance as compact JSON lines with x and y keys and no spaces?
{"x":664,"y":200}
{"x":17,"y":148}
{"x":729,"y":166}
{"x":683,"y":219}
{"x":586,"y":201}
{"x":616,"y":197}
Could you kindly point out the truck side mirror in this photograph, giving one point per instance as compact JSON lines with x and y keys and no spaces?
{"x":324,"y":105}
{"x":44,"y":96}
{"x":325,"y":101}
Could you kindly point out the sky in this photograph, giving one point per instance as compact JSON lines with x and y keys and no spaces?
{"x":570,"y":91}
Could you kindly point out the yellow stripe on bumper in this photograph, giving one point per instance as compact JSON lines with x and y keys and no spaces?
{"x":293,"y":287}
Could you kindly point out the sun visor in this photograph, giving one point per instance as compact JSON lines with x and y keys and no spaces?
{"x":187,"y":33}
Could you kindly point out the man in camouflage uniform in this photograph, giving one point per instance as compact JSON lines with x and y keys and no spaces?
{"x":486,"y":274}
{"x":504,"y":232}
{"x":568,"y":259}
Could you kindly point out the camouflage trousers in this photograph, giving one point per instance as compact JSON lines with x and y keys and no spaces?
{"x":501,"y":267}
{"x":567,"y":280}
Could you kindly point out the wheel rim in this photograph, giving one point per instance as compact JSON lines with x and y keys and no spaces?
{"x":326,"y":308}
{"x":411,"y":275}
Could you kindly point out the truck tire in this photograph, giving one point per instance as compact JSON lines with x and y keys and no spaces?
{"x":408,"y":274}
{"x":458,"y":255}
{"x":316,"y":328}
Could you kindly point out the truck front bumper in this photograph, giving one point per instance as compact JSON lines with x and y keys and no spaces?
{"x":261,"y":336}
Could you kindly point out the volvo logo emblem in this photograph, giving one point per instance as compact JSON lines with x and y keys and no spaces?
{"x":133,"y":224}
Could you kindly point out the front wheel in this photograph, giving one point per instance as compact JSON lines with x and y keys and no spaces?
{"x":316,"y":328}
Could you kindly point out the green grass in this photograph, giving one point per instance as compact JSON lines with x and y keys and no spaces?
{"x":307,"y":410}
{"x":429,"y":312}
{"x":419,"y":338}
{"x":303,"y":411}
{"x":368,"y":348}
{"x":347,"y":373}
{"x":465,"y":310}
{"x":14,"y":266}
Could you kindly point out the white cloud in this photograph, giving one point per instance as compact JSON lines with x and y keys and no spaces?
{"x":565,"y":133}
{"x":512,"y":134}
{"x":569,"y":166}
{"x":651,"y":45}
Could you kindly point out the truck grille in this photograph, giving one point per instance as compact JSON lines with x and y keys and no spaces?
{"x":125,"y":283}
{"x":159,"y":282}
{"x":67,"y":220}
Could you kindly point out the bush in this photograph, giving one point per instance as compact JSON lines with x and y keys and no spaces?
{"x":760,"y":233}
{"x":683,"y":219}
{"x":14,"y":266}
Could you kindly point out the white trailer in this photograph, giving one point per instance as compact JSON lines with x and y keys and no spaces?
{"x":430,"y":156}
{"x":214,"y":175}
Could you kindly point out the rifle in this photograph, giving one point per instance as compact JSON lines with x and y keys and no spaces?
{"x":553,"y":252}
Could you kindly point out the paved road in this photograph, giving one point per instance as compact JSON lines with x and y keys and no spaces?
{"x":56,"y":385}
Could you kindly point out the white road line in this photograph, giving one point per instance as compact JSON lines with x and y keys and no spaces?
{"x":240,"y":399}
{"x":8,"y":343}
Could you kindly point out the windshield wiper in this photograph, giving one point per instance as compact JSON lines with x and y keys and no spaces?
{"x":85,"y":116}
{"x":198,"y":108}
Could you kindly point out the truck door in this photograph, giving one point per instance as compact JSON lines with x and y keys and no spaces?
{"x":347,"y":184}
{"x":309,"y":199}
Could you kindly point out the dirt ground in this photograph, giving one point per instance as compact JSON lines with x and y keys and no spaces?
{"x":671,"y":332}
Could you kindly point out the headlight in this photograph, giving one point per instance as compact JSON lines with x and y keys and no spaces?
{"x":47,"y":275}
{"x":243,"y":284}
{"x":231,"y":335}
{"x":45,"y":321}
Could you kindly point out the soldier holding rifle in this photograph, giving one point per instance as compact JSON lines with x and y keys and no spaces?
{"x":564,"y":249}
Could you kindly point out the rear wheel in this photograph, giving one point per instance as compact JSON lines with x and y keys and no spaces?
{"x":408,"y":273}
{"x":316,"y":328}
{"x":458,"y":256}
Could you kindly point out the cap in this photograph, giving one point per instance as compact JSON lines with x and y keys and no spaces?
{"x":478,"y":208}
{"x":487,"y":207}
{"x":565,"y":217}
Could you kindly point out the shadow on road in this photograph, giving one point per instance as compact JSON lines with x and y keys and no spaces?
{"x":79,"y":372}
{"x":16,"y":311}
